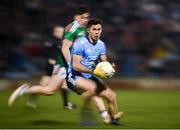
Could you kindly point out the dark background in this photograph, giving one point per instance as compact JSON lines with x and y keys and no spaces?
{"x":142,"y":36}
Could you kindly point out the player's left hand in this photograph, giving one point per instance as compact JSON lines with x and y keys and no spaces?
{"x":99,"y":72}
{"x":113,"y":65}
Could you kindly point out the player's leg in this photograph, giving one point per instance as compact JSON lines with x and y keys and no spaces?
{"x":32,"y":99}
{"x":112,"y":100}
{"x":65,"y":97}
{"x":48,"y":90}
{"x":104,"y":91}
{"x":54,"y":84}
{"x":44,"y":80}
{"x":17,"y":93}
{"x":64,"y":94}
{"x":99,"y":103}
{"x":88,"y":89}
{"x":112,"y":105}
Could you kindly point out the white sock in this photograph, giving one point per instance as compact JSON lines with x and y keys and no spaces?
{"x":104,"y":114}
{"x":24,"y":91}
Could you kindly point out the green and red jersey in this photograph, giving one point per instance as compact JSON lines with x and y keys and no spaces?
{"x":71,"y":32}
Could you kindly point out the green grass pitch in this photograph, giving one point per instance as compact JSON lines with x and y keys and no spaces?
{"x":143,"y":109}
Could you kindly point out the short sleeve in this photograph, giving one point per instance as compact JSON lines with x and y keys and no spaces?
{"x":70,"y":36}
{"x":71,"y":31}
{"x":103,"y":49}
{"x":78,"y":47}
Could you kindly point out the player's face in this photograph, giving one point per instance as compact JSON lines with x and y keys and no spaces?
{"x":83,"y":19}
{"x":95,"y":32}
{"x":58,"y":32}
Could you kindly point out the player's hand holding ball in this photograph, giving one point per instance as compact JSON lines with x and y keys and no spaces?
{"x":104,"y":70}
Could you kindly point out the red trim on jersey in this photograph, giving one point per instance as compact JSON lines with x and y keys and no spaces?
{"x":68,"y":27}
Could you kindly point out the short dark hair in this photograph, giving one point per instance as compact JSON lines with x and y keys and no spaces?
{"x":81,"y":10}
{"x":94,"y":21}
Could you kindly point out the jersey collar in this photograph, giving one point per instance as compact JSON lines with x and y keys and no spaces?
{"x":76,"y":23}
{"x":94,"y":43}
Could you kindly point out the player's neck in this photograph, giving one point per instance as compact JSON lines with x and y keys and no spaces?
{"x":91,"y":40}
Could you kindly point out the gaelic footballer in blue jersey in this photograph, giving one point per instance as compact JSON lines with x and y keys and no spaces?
{"x":81,"y":75}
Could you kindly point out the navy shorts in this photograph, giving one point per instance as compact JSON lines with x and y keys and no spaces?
{"x":71,"y":83}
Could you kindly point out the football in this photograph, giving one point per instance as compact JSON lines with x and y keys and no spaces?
{"x":107,"y":68}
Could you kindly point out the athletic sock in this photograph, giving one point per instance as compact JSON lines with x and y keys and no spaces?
{"x":104,"y":114}
{"x":64,"y":93}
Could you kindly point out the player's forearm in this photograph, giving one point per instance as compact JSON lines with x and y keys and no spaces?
{"x":81,"y":68}
{"x":51,"y":61}
{"x":65,"y":50}
{"x":66,"y":54}
{"x":103,"y":58}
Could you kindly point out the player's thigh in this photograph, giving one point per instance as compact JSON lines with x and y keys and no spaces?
{"x":44,"y":80}
{"x":101,"y":86}
{"x":55,"y":82}
{"x":57,"y":78}
{"x":85,"y":84}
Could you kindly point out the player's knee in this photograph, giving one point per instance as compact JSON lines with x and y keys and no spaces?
{"x":49,"y":92}
{"x":112,"y":97}
{"x":92,"y":89}
{"x":43,"y":84}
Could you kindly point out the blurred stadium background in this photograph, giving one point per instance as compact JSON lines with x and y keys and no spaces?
{"x":143,"y":39}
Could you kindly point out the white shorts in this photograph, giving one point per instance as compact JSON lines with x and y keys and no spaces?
{"x":60,"y":71}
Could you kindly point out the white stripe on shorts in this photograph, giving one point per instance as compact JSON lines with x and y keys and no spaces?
{"x":60,"y":71}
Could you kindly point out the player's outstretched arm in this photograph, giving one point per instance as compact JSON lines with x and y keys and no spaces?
{"x":65,"y":50}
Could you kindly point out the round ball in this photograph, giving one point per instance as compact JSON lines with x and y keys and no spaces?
{"x":107,"y":68}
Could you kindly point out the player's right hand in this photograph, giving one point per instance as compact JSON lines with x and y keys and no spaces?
{"x":51,"y":61}
{"x":99,"y":72}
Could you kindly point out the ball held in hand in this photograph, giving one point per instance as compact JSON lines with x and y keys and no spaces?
{"x":107,"y":68}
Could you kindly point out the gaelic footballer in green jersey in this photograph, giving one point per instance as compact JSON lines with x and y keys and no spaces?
{"x":71,"y":32}
{"x":57,"y":79}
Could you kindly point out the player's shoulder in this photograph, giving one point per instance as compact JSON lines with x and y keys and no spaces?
{"x":82,"y":40}
{"x":72,"y":27}
{"x":100,"y":42}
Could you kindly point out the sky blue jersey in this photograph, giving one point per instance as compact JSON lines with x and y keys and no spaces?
{"x":90,"y":53}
